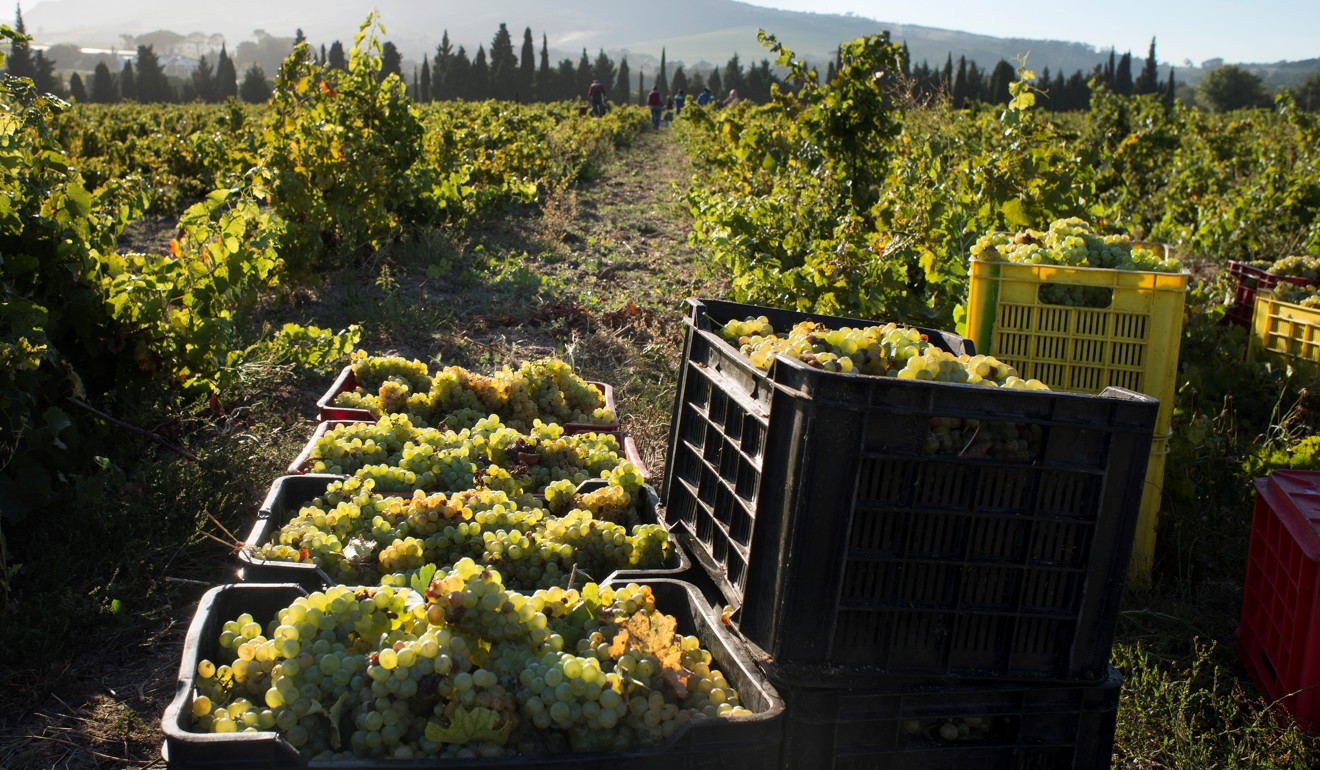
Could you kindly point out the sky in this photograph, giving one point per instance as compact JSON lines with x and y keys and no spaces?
{"x":1195,"y":30}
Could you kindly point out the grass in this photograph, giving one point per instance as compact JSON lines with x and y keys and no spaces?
{"x":597,"y":276}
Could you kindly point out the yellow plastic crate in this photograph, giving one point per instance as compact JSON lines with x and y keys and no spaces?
{"x":1286,"y":332}
{"x":1132,"y":343}
{"x":1143,"y":542}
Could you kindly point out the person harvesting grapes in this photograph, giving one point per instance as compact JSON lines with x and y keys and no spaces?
{"x":653,"y":101}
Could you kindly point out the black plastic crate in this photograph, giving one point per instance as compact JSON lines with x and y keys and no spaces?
{"x":987,"y":727}
{"x":751,"y":742}
{"x":900,"y":562}
{"x":289,"y":493}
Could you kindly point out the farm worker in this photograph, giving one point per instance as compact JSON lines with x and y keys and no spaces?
{"x":731,"y":98}
{"x":678,"y":102}
{"x":653,"y":101}
{"x":703,"y":98}
{"x":597,"y":95}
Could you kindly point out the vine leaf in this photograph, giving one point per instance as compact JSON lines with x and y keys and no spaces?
{"x":471,"y":725}
{"x":653,"y":633}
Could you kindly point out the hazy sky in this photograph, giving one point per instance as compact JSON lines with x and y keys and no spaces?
{"x":1265,"y":31}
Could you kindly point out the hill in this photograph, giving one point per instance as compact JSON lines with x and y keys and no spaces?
{"x":689,"y":30}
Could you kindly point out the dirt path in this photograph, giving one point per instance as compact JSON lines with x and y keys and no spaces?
{"x":597,"y":276}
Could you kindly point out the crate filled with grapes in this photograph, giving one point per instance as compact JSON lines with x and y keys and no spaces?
{"x":318,"y":530}
{"x":468,"y":673}
{"x":980,"y":726}
{"x":926,"y":512}
{"x":1263,"y":275}
{"x":1286,"y":327}
{"x":454,"y":398}
{"x":490,"y":453}
{"x":1080,"y":310}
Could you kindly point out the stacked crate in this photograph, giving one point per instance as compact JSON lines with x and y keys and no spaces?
{"x":1130,"y":343}
{"x":914,"y":609}
{"x":265,"y":586}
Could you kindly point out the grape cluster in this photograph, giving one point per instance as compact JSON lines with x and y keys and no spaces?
{"x":972,"y":728}
{"x":1303,"y":266}
{"x":400,"y":458}
{"x":890,"y":351}
{"x":455,"y":398}
{"x":356,"y":535}
{"x":1306,"y":296}
{"x":974,"y":438}
{"x":476,"y":670}
{"x":1072,"y":243}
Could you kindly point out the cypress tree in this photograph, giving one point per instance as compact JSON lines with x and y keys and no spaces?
{"x":1123,"y":75}
{"x":479,"y":79}
{"x":459,"y":76}
{"x":680,"y":80}
{"x":226,"y":77}
{"x":733,"y":79}
{"x":1000,"y":79}
{"x":152,"y":86}
{"x":948,"y":73}
{"x":19,"y":62}
{"x":543,"y":76}
{"x":336,"y":59}
{"x":527,"y":67}
{"x":1108,"y":77}
{"x":203,"y":81}
{"x":603,"y":69}
{"x":424,"y":91}
{"x":1148,"y":82}
{"x":391,"y":61}
{"x":714,"y":84}
{"x":1170,"y":91}
{"x":503,"y":65}
{"x":959,"y":92}
{"x":624,"y":84}
{"x":76,"y":90}
{"x":254,"y":89}
{"x":44,"y":78}
{"x":641,"y":88}
{"x":103,"y":85}
{"x":442,"y":86}
{"x":582,"y":77}
{"x":128,"y":83}
{"x":662,"y":80}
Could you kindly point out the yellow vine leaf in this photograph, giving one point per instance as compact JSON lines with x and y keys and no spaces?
{"x":655,"y":634}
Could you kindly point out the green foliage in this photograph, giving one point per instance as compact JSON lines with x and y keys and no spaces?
{"x":1194,"y":713}
{"x":1231,"y":87}
{"x":340,"y":147}
{"x":185,"y":311}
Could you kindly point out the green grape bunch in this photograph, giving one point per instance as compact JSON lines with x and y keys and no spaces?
{"x":1072,"y":243}
{"x":468,"y":669}
{"x":886,"y":351}
{"x":454,"y":398}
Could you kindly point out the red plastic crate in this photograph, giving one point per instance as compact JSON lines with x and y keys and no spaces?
{"x":347,"y":381}
{"x":1249,"y":280}
{"x":1279,"y":634}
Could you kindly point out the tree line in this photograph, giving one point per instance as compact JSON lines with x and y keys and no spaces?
{"x":503,"y":73}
